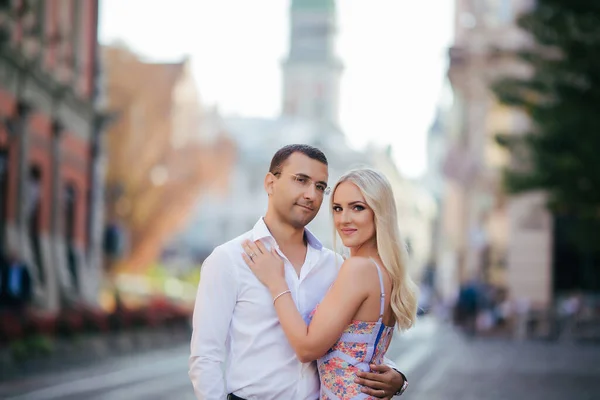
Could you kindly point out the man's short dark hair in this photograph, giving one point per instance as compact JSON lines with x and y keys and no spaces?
{"x":285,"y":152}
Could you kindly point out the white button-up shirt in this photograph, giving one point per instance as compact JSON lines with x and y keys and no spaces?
{"x":235,"y":322}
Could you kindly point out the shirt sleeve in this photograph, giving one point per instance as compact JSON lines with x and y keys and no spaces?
{"x":213,"y":310}
{"x":339,"y":260}
{"x":389,"y":363}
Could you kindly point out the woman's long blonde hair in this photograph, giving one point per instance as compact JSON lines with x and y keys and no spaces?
{"x":379,"y":196}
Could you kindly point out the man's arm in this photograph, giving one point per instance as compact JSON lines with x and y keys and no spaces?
{"x":215,"y":301}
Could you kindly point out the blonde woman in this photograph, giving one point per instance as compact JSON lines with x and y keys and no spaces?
{"x":352,"y":327}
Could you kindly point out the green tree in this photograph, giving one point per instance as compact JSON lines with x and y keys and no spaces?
{"x":562,"y":98}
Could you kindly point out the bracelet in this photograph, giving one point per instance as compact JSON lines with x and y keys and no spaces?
{"x":281,"y":294}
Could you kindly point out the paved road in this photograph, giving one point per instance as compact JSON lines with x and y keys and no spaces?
{"x":440,"y":363}
{"x":156,"y":375}
{"x":445,"y":365}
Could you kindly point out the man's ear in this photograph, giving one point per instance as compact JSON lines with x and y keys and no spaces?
{"x":269,"y":183}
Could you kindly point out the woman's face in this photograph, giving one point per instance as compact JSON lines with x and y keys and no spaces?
{"x":353,"y":219}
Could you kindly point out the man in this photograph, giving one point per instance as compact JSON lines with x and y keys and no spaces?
{"x":234,"y":317}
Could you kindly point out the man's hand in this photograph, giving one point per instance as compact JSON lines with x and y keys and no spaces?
{"x":382,"y":382}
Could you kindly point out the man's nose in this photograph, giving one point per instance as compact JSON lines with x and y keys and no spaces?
{"x":310,"y":192}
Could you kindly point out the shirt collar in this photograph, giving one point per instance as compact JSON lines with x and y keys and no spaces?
{"x":260,"y":231}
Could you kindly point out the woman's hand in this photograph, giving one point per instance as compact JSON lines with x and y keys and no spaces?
{"x":266,"y":265}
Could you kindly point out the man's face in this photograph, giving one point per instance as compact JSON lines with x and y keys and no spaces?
{"x":297,"y":191}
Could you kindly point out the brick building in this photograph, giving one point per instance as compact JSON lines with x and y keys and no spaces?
{"x":49,"y":146}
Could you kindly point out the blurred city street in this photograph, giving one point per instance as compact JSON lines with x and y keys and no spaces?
{"x":440,"y":362}
{"x":139,"y":138}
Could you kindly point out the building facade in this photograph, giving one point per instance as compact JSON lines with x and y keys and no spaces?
{"x":505,"y":241}
{"x":162,"y":153}
{"x":49,"y":147}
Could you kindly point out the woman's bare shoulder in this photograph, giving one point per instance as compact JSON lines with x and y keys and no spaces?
{"x":357,"y":266}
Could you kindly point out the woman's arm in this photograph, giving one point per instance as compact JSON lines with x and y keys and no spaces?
{"x":332,"y":317}
{"x":334,"y":313}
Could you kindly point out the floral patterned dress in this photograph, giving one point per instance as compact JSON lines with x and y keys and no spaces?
{"x":361,"y":344}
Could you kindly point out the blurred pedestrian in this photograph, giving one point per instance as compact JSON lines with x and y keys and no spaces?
{"x":15,"y":283}
{"x":467,"y":306}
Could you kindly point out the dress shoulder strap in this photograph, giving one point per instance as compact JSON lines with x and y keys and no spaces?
{"x":382,"y":289}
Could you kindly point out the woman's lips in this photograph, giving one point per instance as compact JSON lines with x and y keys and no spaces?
{"x":348,"y":231}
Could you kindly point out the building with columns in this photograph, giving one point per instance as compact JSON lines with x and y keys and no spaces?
{"x":50,"y":152}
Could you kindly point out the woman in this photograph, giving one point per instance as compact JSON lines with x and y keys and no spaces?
{"x":353,"y":325}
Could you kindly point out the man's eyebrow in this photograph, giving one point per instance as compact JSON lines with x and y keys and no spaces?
{"x":306,"y":176}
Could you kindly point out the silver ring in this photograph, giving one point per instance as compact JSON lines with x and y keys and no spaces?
{"x":251,"y":255}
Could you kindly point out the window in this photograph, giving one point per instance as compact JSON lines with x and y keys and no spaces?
{"x":320,"y":109}
{"x":498,"y":12}
{"x":505,"y":11}
{"x":3,"y":193}
{"x":70,"y":227}
{"x":33,"y":212}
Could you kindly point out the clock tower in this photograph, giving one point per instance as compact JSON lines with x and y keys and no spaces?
{"x":312,"y":70}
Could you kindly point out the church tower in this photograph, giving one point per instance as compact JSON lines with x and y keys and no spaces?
{"x":312,"y":70}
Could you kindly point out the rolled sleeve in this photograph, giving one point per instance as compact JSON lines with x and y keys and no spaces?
{"x":213,"y":310}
